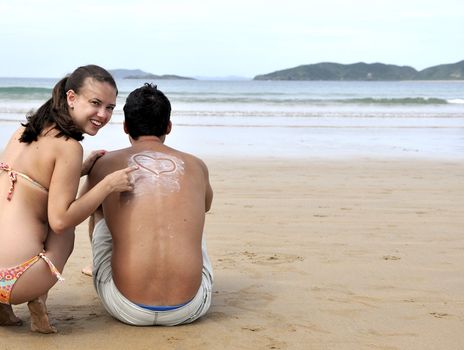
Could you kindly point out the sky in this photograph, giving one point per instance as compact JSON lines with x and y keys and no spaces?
{"x":214,"y":38}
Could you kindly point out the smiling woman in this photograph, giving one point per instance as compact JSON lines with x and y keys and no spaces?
{"x":39,"y":177}
{"x":96,"y":103}
{"x":77,"y":99}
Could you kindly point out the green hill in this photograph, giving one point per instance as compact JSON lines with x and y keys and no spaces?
{"x":454,"y":71}
{"x":140,"y":74}
{"x":365,"y":72}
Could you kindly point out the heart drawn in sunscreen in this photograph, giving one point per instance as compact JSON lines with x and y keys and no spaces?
{"x":156,"y":166}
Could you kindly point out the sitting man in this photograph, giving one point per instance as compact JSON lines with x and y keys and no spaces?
{"x":150,"y":265}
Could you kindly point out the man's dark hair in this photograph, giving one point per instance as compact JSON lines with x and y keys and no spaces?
{"x":147,"y":112}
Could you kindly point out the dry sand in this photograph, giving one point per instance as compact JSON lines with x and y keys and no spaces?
{"x":352,"y":254}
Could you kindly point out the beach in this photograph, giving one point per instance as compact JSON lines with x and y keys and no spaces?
{"x":336,"y":221}
{"x":359,"y":253}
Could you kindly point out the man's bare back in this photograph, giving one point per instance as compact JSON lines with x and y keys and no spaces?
{"x":150,"y":262}
{"x":156,"y":229}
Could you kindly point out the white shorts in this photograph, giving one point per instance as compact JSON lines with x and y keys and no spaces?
{"x":128,"y":312}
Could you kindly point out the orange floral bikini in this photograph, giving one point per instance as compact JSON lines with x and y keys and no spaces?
{"x":9,"y":276}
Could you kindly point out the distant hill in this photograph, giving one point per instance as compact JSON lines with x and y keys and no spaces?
{"x":365,"y":71}
{"x":453,"y":71}
{"x":140,"y":74}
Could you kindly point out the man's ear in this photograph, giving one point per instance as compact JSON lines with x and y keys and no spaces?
{"x":125,"y":127}
{"x":169,"y":128}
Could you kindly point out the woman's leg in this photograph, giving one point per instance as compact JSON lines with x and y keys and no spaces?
{"x":36,"y":281}
{"x":39,"y":315}
{"x":7,"y":316}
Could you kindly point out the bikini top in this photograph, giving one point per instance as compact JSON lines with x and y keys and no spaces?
{"x":13,"y":175}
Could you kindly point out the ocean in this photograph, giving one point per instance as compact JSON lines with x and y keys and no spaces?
{"x":321,"y":119}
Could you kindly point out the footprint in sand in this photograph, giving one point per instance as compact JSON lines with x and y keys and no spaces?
{"x":391,"y":257}
{"x":231,"y":260}
{"x":439,"y":314}
{"x":271,"y":258}
{"x":251,"y":298}
{"x":253,"y":329}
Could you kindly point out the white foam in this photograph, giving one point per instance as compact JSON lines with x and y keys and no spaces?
{"x":458,"y":101}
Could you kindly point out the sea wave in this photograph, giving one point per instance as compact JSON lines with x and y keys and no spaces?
{"x":253,"y":99}
{"x":203,"y":117}
{"x":398,"y":101}
{"x":25,"y":93}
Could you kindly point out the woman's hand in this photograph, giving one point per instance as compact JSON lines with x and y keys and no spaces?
{"x":87,"y":165}
{"x":120,"y":180}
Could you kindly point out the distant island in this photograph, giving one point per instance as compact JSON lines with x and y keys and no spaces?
{"x":366,"y":72}
{"x":331,"y":71}
{"x":140,"y":74}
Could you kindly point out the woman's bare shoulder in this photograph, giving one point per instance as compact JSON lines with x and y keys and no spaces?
{"x":62,"y":145}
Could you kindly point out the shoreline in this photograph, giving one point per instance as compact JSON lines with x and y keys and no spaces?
{"x":333,"y":137}
{"x":307,"y":254}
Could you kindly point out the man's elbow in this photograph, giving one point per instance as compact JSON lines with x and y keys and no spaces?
{"x":208,"y":197}
{"x":208,"y":202}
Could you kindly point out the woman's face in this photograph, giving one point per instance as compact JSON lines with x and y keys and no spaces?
{"x":92,"y":108}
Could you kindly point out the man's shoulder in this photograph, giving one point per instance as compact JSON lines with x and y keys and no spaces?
{"x":116,"y":154}
{"x":186,"y":156}
{"x":110,"y":157}
{"x":109,"y":162}
{"x":195,"y":161}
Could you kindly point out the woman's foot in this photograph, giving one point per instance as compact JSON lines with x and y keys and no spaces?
{"x":39,"y":317}
{"x":7,"y":316}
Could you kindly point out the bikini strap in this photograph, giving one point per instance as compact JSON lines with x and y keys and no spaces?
{"x":52,"y":267}
{"x":12,"y":176}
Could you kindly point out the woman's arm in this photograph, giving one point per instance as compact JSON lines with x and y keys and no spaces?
{"x":89,"y":162}
{"x":64,"y":210}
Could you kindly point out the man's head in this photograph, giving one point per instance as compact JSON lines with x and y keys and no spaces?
{"x":147,"y":112}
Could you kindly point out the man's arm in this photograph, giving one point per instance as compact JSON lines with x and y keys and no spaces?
{"x":208,"y":189}
{"x":87,"y":185}
{"x":209,"y":197}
